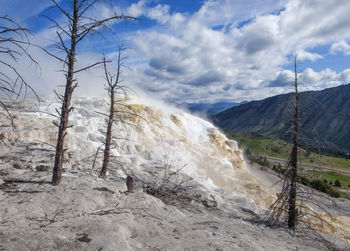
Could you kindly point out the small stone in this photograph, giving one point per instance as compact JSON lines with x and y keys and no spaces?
{"x":209,"y":203}
{"x":84,"y":238}
{"x":103,"y":189}
{"x":18,"y":166}
{"x":42,"y":168}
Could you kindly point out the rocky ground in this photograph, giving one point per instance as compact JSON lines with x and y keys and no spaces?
{"x":86,"y":212}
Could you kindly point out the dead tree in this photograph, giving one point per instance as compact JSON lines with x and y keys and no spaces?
{"x":70,"y":34}
{"x":285,"y":210}
{"x":298,"y":206}
{"x":112,"y":88}
{"x":14,"y":44}
{"x":293,"y":165}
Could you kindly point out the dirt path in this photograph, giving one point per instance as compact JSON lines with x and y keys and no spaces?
{"x":310,"y":166}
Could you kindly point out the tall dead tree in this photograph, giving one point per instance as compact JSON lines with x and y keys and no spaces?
{"x":14,"y":44}
{"x":285,"y":209}
{"x":291,"y":207}
{"x":299,"y":207}
{"x":292,"y":172}
{"x":77,"y":27}
{"x":112,"y":88}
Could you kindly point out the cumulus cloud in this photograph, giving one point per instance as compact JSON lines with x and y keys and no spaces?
{"x":230,"y":50}
{"x":198,"y":56}
{"x":311,"y":80}
{"x":340,"y":46}
{"x":285,"y":77}
{"x":305,"y":55}
{"x":345,"y":76}
{"x":324,"y":78}
{"x":136,"y":9}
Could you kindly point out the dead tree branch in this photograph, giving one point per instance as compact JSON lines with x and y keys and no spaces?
{"x":14,"y":44}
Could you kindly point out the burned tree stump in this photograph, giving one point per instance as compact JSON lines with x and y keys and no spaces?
{"x":130,"y":184}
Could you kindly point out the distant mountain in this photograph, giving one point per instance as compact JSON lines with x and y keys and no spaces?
{"x":325,"y":118}
{"x":208,"y":108}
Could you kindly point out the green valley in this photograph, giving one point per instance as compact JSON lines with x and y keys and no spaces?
{"x":315,"y":169}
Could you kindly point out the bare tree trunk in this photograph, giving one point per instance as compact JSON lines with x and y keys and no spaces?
{"x":112,"y":88}
{"x":108,"y":136}
{"x":66,"y":108}
{"x":292,"y":211}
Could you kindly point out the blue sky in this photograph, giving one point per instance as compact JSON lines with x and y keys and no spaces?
{"x":205,"y":50}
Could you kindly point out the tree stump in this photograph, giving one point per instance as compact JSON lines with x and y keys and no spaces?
{"x":130,"y":184}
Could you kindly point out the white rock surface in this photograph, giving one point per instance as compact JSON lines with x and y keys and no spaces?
{"x":89,"y":213}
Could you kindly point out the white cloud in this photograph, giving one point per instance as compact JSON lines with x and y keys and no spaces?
{"x":159,"y":13}
{"x":136,"y":9}
{"x":284,"y":78}
{"x":198,"y":61}
{"x":345,"y":76}
{"x":225,"y":12}
{"x":230,"y":50}
{"x":327,"y":77}
{"x":305,"y":55}
{"x":340,"y":46}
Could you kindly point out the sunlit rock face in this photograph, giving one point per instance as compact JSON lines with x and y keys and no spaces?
{"x":145,"y":133}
